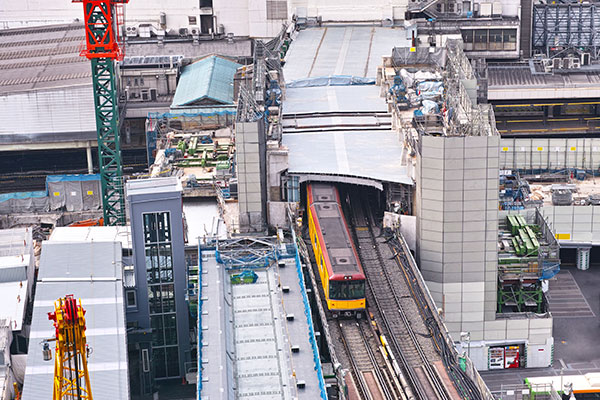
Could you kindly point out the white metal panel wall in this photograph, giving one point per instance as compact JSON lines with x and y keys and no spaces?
{"x":579,"y":224}
{"x":552,"y":154}
{"x":69,"y":109}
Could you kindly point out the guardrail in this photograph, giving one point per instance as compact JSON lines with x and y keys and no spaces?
{"x":308,"y":314}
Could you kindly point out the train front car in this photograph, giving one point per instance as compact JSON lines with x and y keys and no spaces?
{"x":341,"y":274}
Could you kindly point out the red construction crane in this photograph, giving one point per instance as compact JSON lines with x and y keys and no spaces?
{"x":103,"y":20}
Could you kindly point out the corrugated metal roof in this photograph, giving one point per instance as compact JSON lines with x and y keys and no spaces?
{"x":364,"y":154}
{"x":208,"y":81}
{"x":341,"y":50}
{"x":92,"y":272}
{"x":42,"y":58}
{"x":522,"y":75}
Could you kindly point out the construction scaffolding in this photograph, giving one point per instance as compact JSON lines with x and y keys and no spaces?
{"x":559,"y":27}
{"x":247,"y":252}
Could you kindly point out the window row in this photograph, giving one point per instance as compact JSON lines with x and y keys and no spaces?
{"x":489,"y":39}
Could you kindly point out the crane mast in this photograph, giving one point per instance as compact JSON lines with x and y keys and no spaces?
{"x":71,"y":378}
{"x":102,"y":23}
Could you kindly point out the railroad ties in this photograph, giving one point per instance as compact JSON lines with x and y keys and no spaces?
{"x":392,"y":302}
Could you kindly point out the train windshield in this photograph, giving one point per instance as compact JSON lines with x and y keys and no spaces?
{"x":346,"y":290}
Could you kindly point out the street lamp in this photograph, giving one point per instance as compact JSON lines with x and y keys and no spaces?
{"x":466,"y":336}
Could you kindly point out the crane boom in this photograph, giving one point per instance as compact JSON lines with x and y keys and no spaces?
{"x":71,"y":378}
{"x":102,"y":20}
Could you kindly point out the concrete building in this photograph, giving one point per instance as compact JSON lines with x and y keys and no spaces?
{"x":456,"y":173}
{"x":157,"y":311}
{"x":91,"y":272}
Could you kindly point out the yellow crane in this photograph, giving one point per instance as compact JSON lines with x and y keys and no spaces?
{"x":71,"y":378}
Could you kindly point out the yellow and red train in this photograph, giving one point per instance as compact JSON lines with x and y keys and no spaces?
{"x":340,"y":270}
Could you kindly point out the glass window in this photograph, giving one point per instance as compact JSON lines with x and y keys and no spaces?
{"x":168,"y":298}
{"x":164,"y":227}
{"x":152,"y":265}
{"x":156,"y":322}
{"x":154,"y":299}
{"x":159,"y":362}
{"x":481,"y":39}
{"x":467,"y":36}
{"x":150,"y":228}
{"x":166,"y":263}
{"x":495,"y":39}
{"x":172,"y":356}
{"x":131,"y":299}
{"x":170,"y":326}
{"x":346,"y":290}
{"x":510,"y":39}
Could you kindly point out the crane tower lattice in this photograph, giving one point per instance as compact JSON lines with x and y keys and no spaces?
{"x":103,"y":20}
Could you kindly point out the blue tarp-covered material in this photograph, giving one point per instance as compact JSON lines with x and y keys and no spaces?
{"x":430,"y":90}
{"x":72,"y":178}
{"x":23,"y":202}
{"x":74,"y":192}
{"x":332,"y":80}
{"x":206,"y":82}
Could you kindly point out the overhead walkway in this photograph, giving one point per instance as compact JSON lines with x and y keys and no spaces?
{"x":256,"y":339}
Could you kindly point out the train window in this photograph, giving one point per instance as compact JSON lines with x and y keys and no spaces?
{"x":346,"y":290}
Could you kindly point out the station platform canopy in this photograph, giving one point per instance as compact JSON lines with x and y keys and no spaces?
{"x":336,"y":124}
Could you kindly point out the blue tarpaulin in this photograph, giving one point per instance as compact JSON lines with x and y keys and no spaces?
{"x":72,"y":178}
{"x":22,"y":195}
{"x":332,"y":80}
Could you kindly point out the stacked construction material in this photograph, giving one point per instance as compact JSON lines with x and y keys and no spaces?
{"x":524,"y":238}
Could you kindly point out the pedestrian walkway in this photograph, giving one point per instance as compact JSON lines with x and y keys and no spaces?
{"x":565,"y":298}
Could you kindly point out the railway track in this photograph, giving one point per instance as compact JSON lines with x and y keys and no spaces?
{"x":390,"y":294}
{"x":373,"y":381}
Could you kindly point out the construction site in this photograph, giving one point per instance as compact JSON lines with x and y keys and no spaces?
{"x":299,"y":200}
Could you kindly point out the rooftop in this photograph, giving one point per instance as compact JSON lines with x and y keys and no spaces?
{"x":17,"y":266}
{"x":259,"y":327}
{"x":573,"y":83}
{"x":206,"y":82}
{"x":152,"y":186}
{"x":339,"y":50}
{"x":91,"y":272}
{"x":90,"y":234}
{"x":340,"y":127}
{"x":42,"y":58}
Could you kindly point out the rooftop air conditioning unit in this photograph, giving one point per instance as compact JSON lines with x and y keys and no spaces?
{"x":575,"y":62}
{"x":183,"y":31}
{"x":557,"y":63}
{"x":195,"y":31}
{"x":485,"y":9}
{"x":145,"y":30}
{"x":131,"y":31}
{"x":586,"y":59}
{"x":497,"y":9}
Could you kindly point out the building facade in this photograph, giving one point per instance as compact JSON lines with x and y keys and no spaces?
{"x":157,"y":310}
